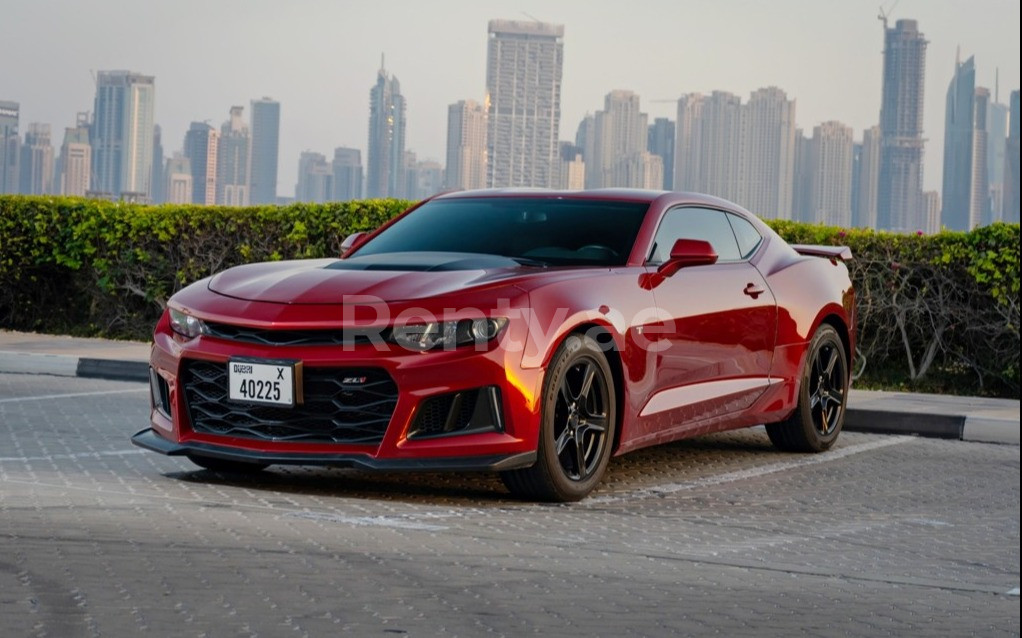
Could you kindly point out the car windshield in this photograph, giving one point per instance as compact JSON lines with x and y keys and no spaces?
{"x":531,"y":230}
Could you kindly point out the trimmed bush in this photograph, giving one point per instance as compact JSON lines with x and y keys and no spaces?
{"x":936,"y":312}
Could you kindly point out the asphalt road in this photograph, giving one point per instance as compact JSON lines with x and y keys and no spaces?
{"x":885,"y":535}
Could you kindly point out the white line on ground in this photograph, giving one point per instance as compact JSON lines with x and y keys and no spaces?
{"x":367,"y":521}
{"x":62,"y":457}
{"x":44,"y":397}
{"x":740,"y":475}
{"x":1013,"y":592}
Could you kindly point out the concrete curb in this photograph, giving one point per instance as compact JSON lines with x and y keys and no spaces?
{"x":938,"y":426}
{"x":63,"y":365}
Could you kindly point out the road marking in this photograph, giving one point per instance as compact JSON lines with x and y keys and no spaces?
{"x":366,"y":521}
{"x":741,"y":475}
{"x":64,"y":457}
{"x":44,"y":397}
{"x":1013,"y":592}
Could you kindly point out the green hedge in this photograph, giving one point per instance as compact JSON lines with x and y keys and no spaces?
{"x":936,"y":312}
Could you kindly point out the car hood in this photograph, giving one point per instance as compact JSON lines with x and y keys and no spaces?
{"x":392,"y":277}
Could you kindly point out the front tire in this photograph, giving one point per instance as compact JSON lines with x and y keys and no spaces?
{"x":214,"y":464}
{"x":816,"y":422}
{"x":576,"y":428}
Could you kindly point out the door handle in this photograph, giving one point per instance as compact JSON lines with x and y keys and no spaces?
{"x":753,"y":290}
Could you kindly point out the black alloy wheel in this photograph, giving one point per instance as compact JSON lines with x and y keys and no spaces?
{"x":577,"y":422}
{"x":816,"y":422}
{"x":580,"y":419}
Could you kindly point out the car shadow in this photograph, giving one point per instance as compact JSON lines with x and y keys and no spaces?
{"x":667,"y":463}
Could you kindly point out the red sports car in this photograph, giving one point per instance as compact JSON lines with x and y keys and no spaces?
{"x":530,"y":333}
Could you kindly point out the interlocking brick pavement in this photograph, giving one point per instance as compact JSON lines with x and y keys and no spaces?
{"x":723,"y":534}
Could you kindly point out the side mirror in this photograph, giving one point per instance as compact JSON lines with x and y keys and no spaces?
{"x":352,"y":241}
{"x":688,"y":252}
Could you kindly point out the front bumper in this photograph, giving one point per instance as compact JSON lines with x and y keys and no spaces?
{"x":150,"y":440}
{"x":420,"y":379}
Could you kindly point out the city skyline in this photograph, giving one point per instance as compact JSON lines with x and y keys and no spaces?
{"x":833,"y":73}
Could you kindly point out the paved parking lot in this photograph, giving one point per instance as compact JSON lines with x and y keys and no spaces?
{"x":884,"y":535}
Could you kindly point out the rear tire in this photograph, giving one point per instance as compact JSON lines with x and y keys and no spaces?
{"x":816,"y":422}
{"x":577,"y":424}
{"x":223,"y":465}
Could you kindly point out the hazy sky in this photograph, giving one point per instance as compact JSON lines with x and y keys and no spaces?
{"x":319,"y":59}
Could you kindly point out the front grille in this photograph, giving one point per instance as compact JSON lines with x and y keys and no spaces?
{"x":342,"y":405}
{"x":334,"y":337}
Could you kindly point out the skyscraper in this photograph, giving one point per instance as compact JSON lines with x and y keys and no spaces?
{"x":76,"y":159}
{"x":965,"y":195}
{"x":620,"y":131}
{"x":10,"y":147}
{"x":997,"y":140}
{"x":708,"y":149}
{"x":347,"y":174}
{"x":386,"y":167}
{"x":122,"y":134}
{"x":802,"y":182}
{"x":201,"y":145}
{"x":157,"y":182}
{"x":523,"y":95}
{"x":314,"y":178}
{"x":572,"y":170}
{"x":864,"y":215}
{"x":767,"y":155}
{"x":899,"y":196}
{"x":265,"y":144}
{"x":232,"y":161}
{"x":831,"y":177}
{"x":1011,"y":164}
{"x":466,"y":145}
{"x":660,"y":142}
{"x":177,"y":180}
{"x":688,"y":150}
{"x":424,"y":178}
{"x":36,"y":163}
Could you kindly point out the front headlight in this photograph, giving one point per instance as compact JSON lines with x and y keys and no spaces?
{"x":447,"y":334}
{"x":186,"y":325}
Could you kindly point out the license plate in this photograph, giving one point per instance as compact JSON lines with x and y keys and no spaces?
{"x":265,"y":381}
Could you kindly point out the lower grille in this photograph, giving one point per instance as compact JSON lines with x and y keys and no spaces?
{"x":342,"y":405}
{"x":464,"y":412}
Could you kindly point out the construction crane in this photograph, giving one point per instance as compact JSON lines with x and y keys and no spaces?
{"x":885,"y":13}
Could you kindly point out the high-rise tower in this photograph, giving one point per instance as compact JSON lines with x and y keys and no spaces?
{"x":10,"y":147}
{"x":661,"y":143}
{"x":76,"y":159}
{"x":964,"y":198}
{"x":899,"y":197}
{"x":232,"y":161}
{"x":385,"y":170}
{"x":264,"y":150}
{"x":36,"y":165}
{"x":523,"y":84}
{"x":1011,"y":164}
{"x":466,"y":145}
{"x":122,"y":134}
{"x":201,"y":146}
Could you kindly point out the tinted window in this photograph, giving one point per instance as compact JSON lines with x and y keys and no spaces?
{"x":747,"y":235}
{"x":549,"y":230}
{"x":695,"y":223}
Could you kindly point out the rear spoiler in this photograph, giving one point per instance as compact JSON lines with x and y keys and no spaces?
{"x":844,"y":253}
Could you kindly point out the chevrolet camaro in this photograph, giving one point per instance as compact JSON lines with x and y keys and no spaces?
{"x":526,"y":332}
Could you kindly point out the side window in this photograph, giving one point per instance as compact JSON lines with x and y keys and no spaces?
{"x":748,"y":237}
{"x":695,"y":223}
